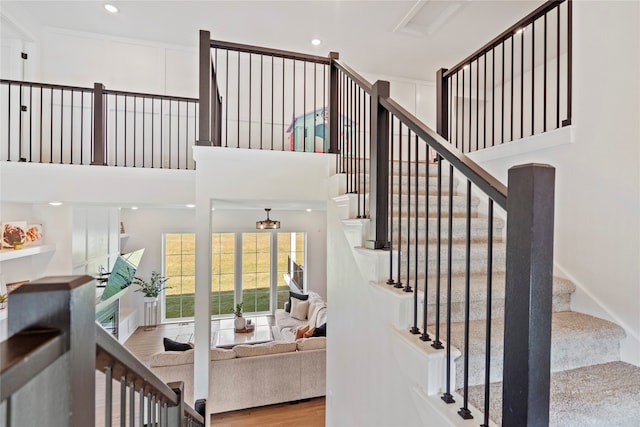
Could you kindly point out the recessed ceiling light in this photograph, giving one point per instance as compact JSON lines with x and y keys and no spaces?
{"x":135,"y":208}
{"x":308,"y":210}
{"x":111,"y":8}
{"x":213,"y":209}
{"x":316,"y":42}
{"x":189,"y":205}
{"x":55,"y":203}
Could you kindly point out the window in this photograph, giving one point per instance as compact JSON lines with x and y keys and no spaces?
{"x":250,"y":266}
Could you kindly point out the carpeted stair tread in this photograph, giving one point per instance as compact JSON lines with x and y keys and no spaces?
{"x":605,"y":394}
{"x":577,"y":340}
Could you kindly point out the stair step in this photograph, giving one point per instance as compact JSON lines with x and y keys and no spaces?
{"x":605,"y":394}
{"x":577,"y":340}
{"x":479,"y":228}
{"x":562,"y":290}
{"x":477,"y":262}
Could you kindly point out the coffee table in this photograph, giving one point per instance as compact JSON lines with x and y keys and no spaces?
{"x":227,"y":337}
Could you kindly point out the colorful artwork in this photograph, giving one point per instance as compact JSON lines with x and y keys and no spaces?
{"x":16,"y":234}
{"x":310,"y":132}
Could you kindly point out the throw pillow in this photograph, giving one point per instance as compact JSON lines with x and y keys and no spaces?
{"x":299,"y":309}
{"x":320,"y":331}
{"x":301,"y":331}
{"x":171,"y":345}
{"x":301,"y":297}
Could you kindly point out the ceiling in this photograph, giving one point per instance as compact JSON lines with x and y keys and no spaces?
{"x":408,"y":39}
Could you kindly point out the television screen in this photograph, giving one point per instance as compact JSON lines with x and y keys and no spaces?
{"x":122,"y":273}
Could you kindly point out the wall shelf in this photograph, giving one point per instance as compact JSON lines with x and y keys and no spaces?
{"x":7,"y":254}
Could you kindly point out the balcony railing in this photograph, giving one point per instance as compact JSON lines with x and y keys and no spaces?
{"x":47,"y":123}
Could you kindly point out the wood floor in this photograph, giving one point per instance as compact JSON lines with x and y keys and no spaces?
{"x":309,"y":413}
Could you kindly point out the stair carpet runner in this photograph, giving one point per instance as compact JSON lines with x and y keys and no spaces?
{"x":590,"y":386}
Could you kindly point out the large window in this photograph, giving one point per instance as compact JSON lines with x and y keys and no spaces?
{"x":251,"y":267}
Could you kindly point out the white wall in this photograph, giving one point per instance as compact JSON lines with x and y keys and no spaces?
{"x":597,"y":241}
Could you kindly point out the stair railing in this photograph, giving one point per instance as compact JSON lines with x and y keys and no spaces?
{"x":262,"y":98}
{"x":58,"y":124}
{"x":515,"y":86}
{"x":51,"y":356}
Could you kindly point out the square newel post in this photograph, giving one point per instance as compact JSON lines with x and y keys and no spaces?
{"x":379,"y":169}
{"x":204,"y":75}
{"x":333,"y":104}
{"x":528,"y":296}
{"x":99,"y":126}
{"x":66,"y":391}
{"x":442,"y":104}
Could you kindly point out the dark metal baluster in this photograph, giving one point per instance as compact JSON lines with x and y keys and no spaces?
{"x":51,"y":128}
{"x":126,"y":131}
{"x":226,"y":100}
{"x":558,"y":70}
{"x":261,"y":94}
{"x":170,"y":137}
{"x":502,"y":130}
{"x":447,"y":396}
{"x":533,"y":80}
{"x":544,"y":79}
{"x":273,"y":60}
{"x":522,"y":83}
{"x":31,"y":124}
{"x":283,"y":128}
{"x":484,"y":107}
{"x":132,"y":403}
{"x":141,"y":403}
{"x":238,"y":100}
{"x":81,"y":127}
{"x":407,"y":287}
{"x":250,"y":69}
{"x":153,"y":130}
{"x":9,"y":123}
{"x":161,"y":134}
{"x":108,"y":395}
{"x":352,"y":139}
{"x":144,"y":122}
{"x":178,"y":136}
{"x":115,"y":133}
{"x":457,"y":109}
{"x":399,"y":282}
{"x":477,"y":104}
{"x":61,"y":124}
{"x":91,"y":134}
{"x":462,"y":118}
{"x":315,"y":106}
{"x":390,"y":281}
{"x":415,"y":330}
{"x":41,"y":102}
{"x":304,"y":106}
{"x":464,"y":412}
{"x":123,"y":401}
{"x":512,"y":83}
{"x":567,"y":121}
{"x":367,"y":142}
{"x":487,"y":359}
{"x":450,"y":94}
{"x":437,"y":344}
{"x":357,"y":123}
{"x":20,"y":123}
{"x":425,"y":335}
{"x":135,"y":131}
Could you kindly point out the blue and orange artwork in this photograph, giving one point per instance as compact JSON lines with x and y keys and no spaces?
{"x":310,"y":132}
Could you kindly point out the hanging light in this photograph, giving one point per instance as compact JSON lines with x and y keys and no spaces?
{"x":267,"y":224}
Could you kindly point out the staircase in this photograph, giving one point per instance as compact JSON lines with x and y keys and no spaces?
{"x":589,"y":383}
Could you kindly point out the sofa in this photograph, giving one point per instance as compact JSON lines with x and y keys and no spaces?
{"x":284,"y":370}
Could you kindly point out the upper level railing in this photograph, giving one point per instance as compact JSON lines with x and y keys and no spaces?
{"x":48,"y":365}
{"x":45,"y":123}
{"x":260,"y":98}
{"x":517,"y":85}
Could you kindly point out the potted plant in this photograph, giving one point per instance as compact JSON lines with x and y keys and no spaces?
{"x":3,"y":301}
{"x":239,"y":322}
{"x":151,"y":288}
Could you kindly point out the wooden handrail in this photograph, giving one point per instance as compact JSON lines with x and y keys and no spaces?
{"x":218,"y":44}
{"x":109,"y":352}
{"x":353,"y":75}
{"x":476,"y":174}
{"x":540,"y":11}
{"x":25,"y":354}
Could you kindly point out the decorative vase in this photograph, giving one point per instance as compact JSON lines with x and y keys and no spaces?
{"x":150,"y":299}
{"x":239,"y":322}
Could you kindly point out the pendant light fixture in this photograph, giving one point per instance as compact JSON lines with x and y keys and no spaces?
{"x":267,"y":224}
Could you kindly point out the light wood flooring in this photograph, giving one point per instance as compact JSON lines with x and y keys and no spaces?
{"x":143,"y":344}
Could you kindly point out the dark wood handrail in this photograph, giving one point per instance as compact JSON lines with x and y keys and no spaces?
{"x":149,"y":95}
{"x":109,"y":352}
{"x":476,"y":174}
{"x":218,"y":44}
{"x":353,"y":75}
{"x":45,"y":85}
{"x":25,"y":354}
{"x":540,"y":11}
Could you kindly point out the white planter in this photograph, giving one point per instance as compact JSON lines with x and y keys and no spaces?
{"x":150,"y":299}
{"x":239,"y":322}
